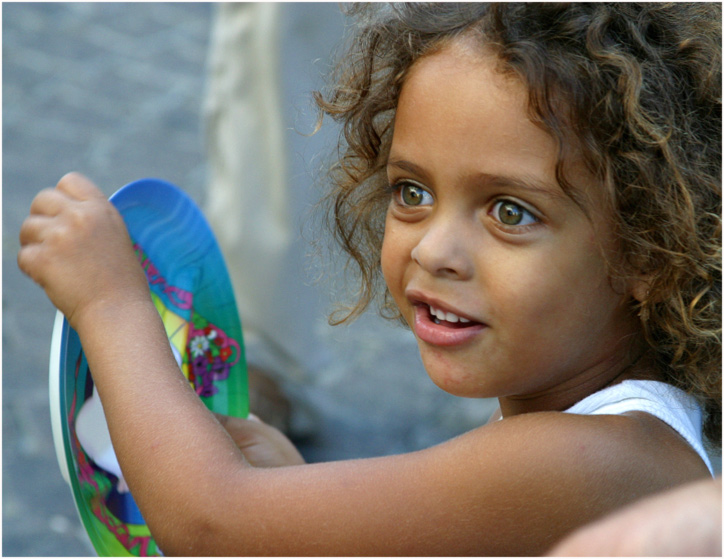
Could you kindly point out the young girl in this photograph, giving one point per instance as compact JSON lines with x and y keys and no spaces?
{"x":539,"y":187}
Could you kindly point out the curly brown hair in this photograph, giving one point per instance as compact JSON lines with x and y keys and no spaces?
{"x":634,"y":87}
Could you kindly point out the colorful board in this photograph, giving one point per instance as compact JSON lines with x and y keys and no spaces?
{"x":191,"y":289}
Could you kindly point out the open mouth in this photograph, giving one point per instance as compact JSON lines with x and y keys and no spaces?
{"x":448,"y":319}
{"x":444,"y":328}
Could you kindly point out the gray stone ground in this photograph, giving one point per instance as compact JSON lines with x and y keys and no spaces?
{"x":115,"y":91}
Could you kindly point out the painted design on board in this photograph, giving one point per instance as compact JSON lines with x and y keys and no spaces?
{"x":179,"y":298}
{"x":212,"y":354}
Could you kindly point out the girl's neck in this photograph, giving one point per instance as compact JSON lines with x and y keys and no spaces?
{"x":566,"y":395}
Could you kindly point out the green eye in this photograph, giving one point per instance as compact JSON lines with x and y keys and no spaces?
{"x":413,"y":195}
{"x":510,"y":213}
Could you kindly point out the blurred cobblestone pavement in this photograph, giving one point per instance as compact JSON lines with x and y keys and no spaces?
{"x":115,"y":91}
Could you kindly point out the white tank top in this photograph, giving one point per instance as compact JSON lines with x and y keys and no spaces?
{"x":671,"y":405}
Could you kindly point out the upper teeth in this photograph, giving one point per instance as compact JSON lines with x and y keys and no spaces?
{"x":447,"y":316}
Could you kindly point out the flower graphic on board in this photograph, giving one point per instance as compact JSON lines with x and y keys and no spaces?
{"x":198,"y":345}
{"x":212,"y":354}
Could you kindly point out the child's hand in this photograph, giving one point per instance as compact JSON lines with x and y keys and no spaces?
{"x":75,"y":245}
{"x":262,"y":445}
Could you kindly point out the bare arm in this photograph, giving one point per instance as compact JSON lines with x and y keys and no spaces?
{"x":512,"y":487}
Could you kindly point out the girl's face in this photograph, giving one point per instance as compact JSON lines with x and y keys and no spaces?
{"x":500,"y":274}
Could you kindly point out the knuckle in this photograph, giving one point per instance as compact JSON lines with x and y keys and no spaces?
{"x":78,"y":186}
{"x":24,"y":233}
{"x":28,"y":261}
{"x":41,"y":200}
{"x":85,"y":217}
{"x":62,"y":235}
{"x":69,"y":179}
{"x":22,"y":259}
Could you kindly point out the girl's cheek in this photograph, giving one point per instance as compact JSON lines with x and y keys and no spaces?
{"x":385,"y":267}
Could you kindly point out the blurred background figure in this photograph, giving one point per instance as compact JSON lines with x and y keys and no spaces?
{"x":682,"y":522}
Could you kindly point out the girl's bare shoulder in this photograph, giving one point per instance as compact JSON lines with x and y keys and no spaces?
{"x":573,"y":468}
{"x":608,"y":442}
{"x":633,"y":454}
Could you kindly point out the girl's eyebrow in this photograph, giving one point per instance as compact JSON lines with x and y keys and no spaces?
{"x":525,"y":183}
{"x":408,"y":166}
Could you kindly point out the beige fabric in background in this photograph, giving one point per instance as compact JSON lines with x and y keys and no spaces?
{"x":361,"y":387}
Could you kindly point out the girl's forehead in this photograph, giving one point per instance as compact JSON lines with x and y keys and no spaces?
{"x":478,"y":71}
{"x":473,"y":47}
{"x":493,"y":78}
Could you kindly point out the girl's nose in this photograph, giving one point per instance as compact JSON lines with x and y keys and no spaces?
{"x":443,"y":251}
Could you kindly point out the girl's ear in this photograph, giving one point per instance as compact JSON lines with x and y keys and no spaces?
{"x":639,"y":287}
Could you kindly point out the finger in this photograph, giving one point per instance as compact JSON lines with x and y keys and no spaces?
{"x":33,"y":228}
{"x":48,"y":202}
{"x":28,"y":257}
{"x":252,"y":417}
{"x":79,"y":187}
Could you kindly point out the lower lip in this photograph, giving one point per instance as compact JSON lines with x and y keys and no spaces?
{"x":439,"y":334}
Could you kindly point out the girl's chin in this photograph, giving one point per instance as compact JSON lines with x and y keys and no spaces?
{"x":458,"y":383}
